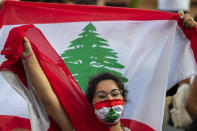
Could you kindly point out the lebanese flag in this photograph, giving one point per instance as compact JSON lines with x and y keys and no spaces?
{"x":149,"y":50}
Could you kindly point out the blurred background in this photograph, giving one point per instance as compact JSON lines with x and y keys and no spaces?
{"x":165,"y":5}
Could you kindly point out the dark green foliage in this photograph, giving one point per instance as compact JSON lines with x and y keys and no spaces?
{"x":111,"y":116}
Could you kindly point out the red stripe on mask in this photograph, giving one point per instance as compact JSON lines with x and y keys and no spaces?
{"x":108,"y":103}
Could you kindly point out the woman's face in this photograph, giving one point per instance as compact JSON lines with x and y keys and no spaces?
{"x":106,"y":90}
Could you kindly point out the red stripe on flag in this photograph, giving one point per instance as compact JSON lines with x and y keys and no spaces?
{"x":135,"y":125}
{"x":8,"y":123}
{"x":18,"y":12}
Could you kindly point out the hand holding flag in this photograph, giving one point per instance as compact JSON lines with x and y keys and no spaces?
{"x":27,"y":49}
{"x":44,"y":89}
{"x":188,"y":21}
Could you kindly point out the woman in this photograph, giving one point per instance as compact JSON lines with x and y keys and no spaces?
{"x":107,"y":89}
{"x":103,"y":89}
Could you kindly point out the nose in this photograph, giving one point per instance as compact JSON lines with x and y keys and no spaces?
{"x":109,"y":97}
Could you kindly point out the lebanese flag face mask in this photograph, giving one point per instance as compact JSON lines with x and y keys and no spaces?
{"x":109,"y":111}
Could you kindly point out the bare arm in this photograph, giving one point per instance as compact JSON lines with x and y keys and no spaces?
{"x":191,"y":101}
{"x":44,"y":90}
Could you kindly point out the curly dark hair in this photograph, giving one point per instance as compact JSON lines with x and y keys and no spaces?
{"x":93,"y":82}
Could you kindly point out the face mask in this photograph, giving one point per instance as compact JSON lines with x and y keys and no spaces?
{"x":109,"y":112}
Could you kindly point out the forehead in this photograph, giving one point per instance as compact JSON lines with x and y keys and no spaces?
{"x":106,"y":85}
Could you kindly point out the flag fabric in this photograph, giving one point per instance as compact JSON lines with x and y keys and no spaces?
{"x":149,"y":50}
{"x":74,"y":102}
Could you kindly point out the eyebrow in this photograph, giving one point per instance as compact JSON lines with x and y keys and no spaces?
{"x":100,"y":91}
{"x":105,"y":91}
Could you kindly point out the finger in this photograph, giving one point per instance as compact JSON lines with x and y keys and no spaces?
{"x":181,"y":14}
{"x":194,"y":24}
{"x":186,"y":24}
{"x":186,"y":18}
{"x":189,"y":22}
{"x":26,"y":47}
{"x":190,"y":25}
{"x":26,"y":44}
{"x":26,"y":40}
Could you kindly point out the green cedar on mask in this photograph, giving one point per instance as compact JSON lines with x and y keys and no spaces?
{"x":109,"y":112}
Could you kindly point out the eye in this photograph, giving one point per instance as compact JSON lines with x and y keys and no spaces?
{"x":101,"y":96}
{"x":115,"y":94}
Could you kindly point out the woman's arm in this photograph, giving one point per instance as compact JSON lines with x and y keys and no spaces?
{"x":44,"y":90}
